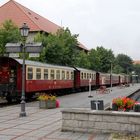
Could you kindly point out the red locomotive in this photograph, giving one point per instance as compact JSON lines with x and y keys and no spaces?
{"x":41,"y":77}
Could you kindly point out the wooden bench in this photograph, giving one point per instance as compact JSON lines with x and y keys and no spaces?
{"x":103,"y":90}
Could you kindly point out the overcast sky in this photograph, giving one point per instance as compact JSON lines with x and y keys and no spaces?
{"x":113,"y":24}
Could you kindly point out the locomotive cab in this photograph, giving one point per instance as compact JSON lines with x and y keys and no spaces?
{"x":8,"y":78}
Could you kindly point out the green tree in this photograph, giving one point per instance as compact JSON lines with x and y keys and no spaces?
{"x":82,"y":60}
{"x":125,"y":62}
{"x":101,"y":59}
{"x":117,"y":69}
{"x":8,"y":33}
{"x":60,"y":48}
{"x":136,"y":68}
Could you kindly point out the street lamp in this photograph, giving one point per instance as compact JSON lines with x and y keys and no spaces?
{"x":133,"y":74}
{"x":24,"y":30}
{"x":111,"y":76}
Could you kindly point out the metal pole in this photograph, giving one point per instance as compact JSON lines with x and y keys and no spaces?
{"x":111,"y":76}
{"x":23,"y":113}
{"x":90,"y":89}
{"x":96,"y":104}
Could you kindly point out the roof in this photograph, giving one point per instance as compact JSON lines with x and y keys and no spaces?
{"x":136,"y":62}
{"x":19,"y":14}
{"x":40,"y":64}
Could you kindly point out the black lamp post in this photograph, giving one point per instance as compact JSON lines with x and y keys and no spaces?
{"x":24,"y":30}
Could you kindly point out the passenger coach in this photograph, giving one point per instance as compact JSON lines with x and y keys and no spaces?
{"x":42,"y":77}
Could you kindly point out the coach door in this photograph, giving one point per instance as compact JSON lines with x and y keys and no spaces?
{"x":76,"y":78}
{"x":97,"y":79}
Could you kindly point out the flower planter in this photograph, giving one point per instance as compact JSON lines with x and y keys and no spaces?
{"x":47,"y":104}
{"x":123,"y":104}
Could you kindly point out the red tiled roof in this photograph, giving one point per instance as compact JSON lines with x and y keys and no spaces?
{"x":19,"y":14}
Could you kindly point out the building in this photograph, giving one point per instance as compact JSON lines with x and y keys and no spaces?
{"x":136,"y":62}
{"x":20,"y":14}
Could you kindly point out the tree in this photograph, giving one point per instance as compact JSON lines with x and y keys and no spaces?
{"x":117,"y":69}
{"x":82,"y":60}
{"x":125,"y":62}
{"x":136,"y":68}
{"x":60,"y":48}
{"x":8,"y":33}
{"x":101,"y":59}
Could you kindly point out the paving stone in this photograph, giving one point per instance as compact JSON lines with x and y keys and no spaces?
{"x":41,"y":124}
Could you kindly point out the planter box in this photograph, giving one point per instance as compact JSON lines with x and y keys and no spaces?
{"x":47,"y":104}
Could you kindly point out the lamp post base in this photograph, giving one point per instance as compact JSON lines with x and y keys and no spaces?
{"x":22,"y":113}
{"x":90,"y":96}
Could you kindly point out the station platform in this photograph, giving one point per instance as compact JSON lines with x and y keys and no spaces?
{"x":45,"y":124}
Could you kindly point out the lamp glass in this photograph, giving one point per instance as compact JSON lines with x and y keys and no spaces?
{"x":24,"y":30}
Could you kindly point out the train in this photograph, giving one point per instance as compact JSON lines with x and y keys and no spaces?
{"x":42,"y":77}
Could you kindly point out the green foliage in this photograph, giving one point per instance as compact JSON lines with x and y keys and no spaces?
{"x":101,"y":59}
{"x":82,"y":60}
{"x":125,"y":62}
{"x":117,"y":69}
{"x":60,"y":48}
{"x":136,"y":68}
{"x":8,"y":33}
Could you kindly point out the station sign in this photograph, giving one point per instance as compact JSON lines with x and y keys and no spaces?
{"x":14,"y":55}
{"x":33,"y":47}
{"x":13,"y":47}
{"x":34,"y":54}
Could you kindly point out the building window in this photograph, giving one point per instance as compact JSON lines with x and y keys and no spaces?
{"x":30,"y":73}
{"x":45,"y":73}
{"x":38,"y":73}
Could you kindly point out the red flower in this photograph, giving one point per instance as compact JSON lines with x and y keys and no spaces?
{"x":124,"y":102}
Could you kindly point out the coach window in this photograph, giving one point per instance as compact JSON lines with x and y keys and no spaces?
{"x":85,"y":76}
{"x":67,"y":75}
{"x":82,"y":76}
{"x":52,"y":74}
{"x":38,"y":73}
{"x":45,"y":73}
{"x":30,"y":73}
{"x":57,"y":74}
{"x":92,"y":76}
{"x":72,"y":75}
{"x":63,"y":75}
